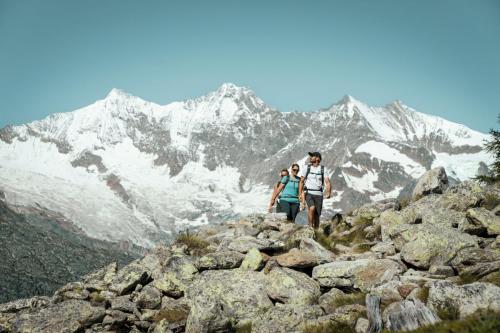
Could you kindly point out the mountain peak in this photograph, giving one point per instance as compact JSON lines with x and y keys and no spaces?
{"x":230,"y":89}
{"x":116,"y":93}
{"x":348,"y":99}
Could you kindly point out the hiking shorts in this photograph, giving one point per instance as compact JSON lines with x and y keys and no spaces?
{"x":316,"y":201}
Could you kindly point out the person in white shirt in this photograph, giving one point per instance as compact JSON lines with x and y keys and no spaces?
{"x":313,"y":177}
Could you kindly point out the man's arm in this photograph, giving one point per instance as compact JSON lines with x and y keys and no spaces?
{"x":301,"y":190}
{"x":328,"y":188}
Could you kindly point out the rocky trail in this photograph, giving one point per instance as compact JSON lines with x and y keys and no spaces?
{"x":387,"y":265}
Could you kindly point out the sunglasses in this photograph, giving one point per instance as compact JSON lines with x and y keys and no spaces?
{"x":295,"y":169}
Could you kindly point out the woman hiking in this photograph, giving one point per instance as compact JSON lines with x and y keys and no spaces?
{"x":289,"y":199}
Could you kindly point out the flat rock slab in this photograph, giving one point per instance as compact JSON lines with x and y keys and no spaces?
{"x":363,"y":274}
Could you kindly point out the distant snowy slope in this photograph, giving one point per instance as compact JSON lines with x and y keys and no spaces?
{"x":127,"y":169}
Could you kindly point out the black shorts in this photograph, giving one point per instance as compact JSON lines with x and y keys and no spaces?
{"x":316,"y":201}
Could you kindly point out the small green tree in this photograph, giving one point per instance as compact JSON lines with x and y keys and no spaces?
{"x":493,"y":146}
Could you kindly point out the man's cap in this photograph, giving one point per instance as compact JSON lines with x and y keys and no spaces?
{"x":315,"y":154}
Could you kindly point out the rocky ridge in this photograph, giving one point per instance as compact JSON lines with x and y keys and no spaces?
{"x":389,"y":264}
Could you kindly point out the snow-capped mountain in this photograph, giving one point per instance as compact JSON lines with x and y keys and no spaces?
{"x":128,"y":169}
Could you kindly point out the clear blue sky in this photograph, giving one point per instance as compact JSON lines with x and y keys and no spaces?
{"x":440,"y":57}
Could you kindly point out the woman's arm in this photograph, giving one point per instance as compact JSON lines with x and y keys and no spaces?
{"x":273,"y":197}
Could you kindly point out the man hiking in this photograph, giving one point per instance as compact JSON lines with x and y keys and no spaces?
{"x":313,"y":177}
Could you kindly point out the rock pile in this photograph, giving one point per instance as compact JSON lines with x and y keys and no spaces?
{"x":381,"y":266}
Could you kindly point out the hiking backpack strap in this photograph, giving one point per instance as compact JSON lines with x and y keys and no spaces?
{"x":322,"y":177}
{"x":307,"y":172}
{"x":286,"y":182}
{"x":305,"y":177}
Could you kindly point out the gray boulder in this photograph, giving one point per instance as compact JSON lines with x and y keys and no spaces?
{"x":176,"y":275}
{"x":286,"y":318}
{"x":220,"y":260}
{"x":127,"y":278}
{"x":288,"y":286}
{"x":433,"y":181}
{"x":363,"y":274}
{"x":220,"y":298}
{"x":486,"y":219}
{"x":457,"y":301}
{"x":423,"y":245}
{"x":148,"y":298}
{"x":408,"y":315}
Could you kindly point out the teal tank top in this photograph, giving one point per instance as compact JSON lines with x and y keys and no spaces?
{"x":291,"y":191}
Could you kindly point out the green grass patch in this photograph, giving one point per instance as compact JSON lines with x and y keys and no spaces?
{"x":327,"y":327}
{"x":466,"y":278}
{"x":423,"y":294}
{"x":348,"y":299}
{"x":195,"y":244}
{"x":448,"y":311}
{"x":480,"y":322}
{"x":362,"y":221}
{"x":492,"y":278}
{"x":243,"y":328}
{"x":96,"y":297}
{"x":362,"y":247}
{"x":324,"y":240}
{"x":403,"y":203}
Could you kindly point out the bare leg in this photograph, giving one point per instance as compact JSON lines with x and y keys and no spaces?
{"x":310,"y":216}
{"x":316,"y":219}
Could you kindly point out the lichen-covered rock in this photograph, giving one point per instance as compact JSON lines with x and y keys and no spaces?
{"x":69,"y":316}
{"x":220,"y":260}
{"x":433,"y":181}
{"x":219,"y":298}
{"x":362,"y":274}
{"x":123,"y":303}
{"x":253,"y":260}
{"x":296,"y":234}
{"x":460,"y":301}
{"x":155,"y":260}
{"x":128,"y":277}
{"x":388,"y":292}
{"x":100,"y":279}
{"x":362,"y":325}
{"x":328,"y":301}
{"x":148,"y":298}
{"x":462,"y":196}
{"x":371,"y":210}
{"x":384,"y":248}
{"x":288,"y":286}
{"x":72,"y":290}
{"x":286,"y":318}
{"x":297,"y":258}
{"x":321,"y":254}
{"x":408,"y":315}
{"x":243,"y":244}
{"x":485,"y":219}
{"x":423,"y":245}
{"x":176,"y":276}
{"x":348,"y":314}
